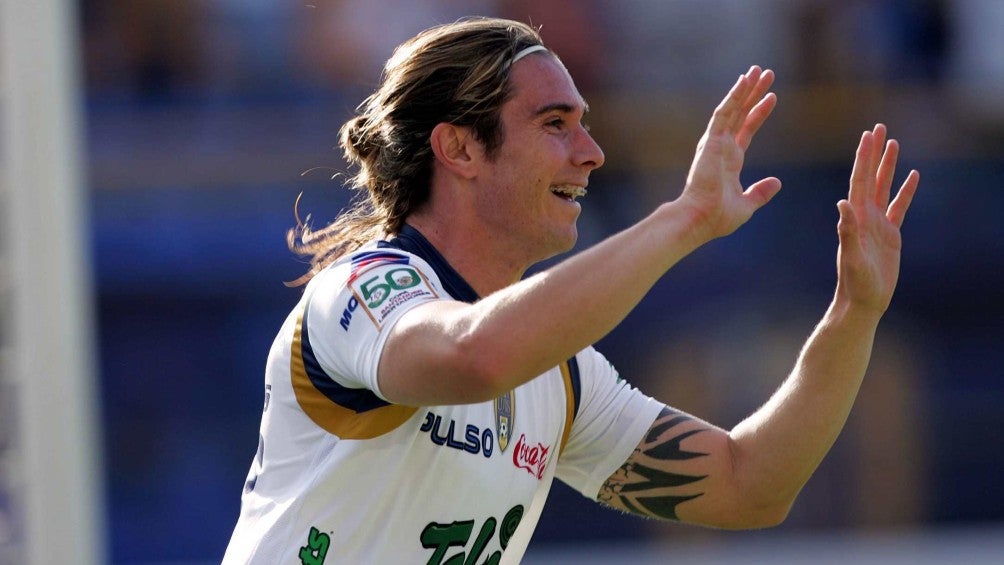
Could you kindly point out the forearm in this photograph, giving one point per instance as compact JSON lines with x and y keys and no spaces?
{"x":537,"y":323}
{"x":686,"y":469}
{"x":750,"y":476}
{"x":446,"y":352}
{"x":778,"y":447}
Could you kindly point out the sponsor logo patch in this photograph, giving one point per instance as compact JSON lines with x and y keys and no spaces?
{"x":474,"y":439}
{"x":379,"y":287}
{"x":530,"y":457}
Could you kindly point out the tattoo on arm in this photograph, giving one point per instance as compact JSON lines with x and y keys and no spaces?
{"x":640,"y":486}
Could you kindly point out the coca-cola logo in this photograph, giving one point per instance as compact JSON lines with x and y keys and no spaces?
{"x":531,"y":457}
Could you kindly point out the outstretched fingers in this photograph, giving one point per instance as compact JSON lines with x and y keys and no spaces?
{"x":873,"y":168}
{"x":761,"y":80}
{"x":756,"y":108}
{"x":872,"y":176}
{"x":756,"y":118}
{"x":746,"y":107}
{"x":878,"y":145}
{"x":897,"y":209}
{"x":725,"y":114}
{"x":883,"y":182}
{"x":860,"y":177}
{"x":730,"y":115}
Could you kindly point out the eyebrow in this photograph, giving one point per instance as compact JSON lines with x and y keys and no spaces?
{"x":563,"y":107}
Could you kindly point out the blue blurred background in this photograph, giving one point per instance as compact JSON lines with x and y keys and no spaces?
{"x":205,"y":120}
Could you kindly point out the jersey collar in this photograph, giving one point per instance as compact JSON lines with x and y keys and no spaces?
{"x":409,"y":239}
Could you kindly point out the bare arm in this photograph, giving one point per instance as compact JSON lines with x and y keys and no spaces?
{"x":749,"y":477}
{"x":449,"y":352}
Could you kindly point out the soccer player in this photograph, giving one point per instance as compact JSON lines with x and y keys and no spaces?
{"x":422,"y":396}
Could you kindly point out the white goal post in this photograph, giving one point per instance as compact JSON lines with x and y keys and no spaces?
{"x":50,"y":464}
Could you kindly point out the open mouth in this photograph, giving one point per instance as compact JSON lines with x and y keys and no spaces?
{"x":568,"y":192}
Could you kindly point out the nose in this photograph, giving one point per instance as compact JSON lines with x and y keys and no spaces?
{"x":587,"y":151}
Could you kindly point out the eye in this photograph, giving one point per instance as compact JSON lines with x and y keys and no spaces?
{"x":557,"y":123}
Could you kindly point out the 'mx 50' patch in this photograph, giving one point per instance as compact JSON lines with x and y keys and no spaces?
{"x":382,"y":287}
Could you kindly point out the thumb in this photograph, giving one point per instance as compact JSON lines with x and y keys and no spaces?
{"x":762,"y":191}
{"x":847,"y":231}
{"x":847,"y":225}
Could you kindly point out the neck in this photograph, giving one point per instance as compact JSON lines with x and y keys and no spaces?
{"x":479,"y":257}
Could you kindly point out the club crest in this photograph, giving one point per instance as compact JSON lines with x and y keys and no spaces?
{"x":505,"y":418}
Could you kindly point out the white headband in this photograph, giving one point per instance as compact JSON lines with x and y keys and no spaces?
{"x":527,"y":51}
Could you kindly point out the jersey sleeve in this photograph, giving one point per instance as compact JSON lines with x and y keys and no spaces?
{"x":612,"y":417}
{"x":351,"y":310}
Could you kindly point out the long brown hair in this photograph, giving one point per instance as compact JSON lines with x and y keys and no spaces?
{"x":455,"y":73}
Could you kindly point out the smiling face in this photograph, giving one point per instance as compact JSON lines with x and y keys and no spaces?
{"x":528,"y":189}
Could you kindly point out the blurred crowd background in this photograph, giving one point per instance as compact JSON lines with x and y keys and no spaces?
{"x":206,"y":119}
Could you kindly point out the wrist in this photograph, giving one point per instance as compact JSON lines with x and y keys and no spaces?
{"x":852,"y":312}
{"x":691,"y":224}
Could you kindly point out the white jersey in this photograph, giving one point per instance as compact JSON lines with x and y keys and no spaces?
{"x":344,"y":476}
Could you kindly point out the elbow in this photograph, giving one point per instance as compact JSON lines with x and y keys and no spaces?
{"x":761,"y":516}
{"x":753,"y":518}
{"x":758,"y":502}
{"x":771,"y":517}
{"x":481,"y":384}
{"x":445,"y":357}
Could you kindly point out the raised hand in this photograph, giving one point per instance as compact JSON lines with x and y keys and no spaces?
{"x":713,"y":188}
{"x":870,"y":242}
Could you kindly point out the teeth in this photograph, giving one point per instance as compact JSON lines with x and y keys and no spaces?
{"x":569,"y":190}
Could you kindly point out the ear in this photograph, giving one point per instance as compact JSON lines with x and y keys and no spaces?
{"x":456,"y":149}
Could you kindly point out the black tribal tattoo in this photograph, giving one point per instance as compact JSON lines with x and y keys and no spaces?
{"x":643,"y":489}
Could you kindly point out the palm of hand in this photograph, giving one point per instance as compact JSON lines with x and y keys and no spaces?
{"x":713,"y":188}
{"x":869,"y":228}
{"x":713,"y":183}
